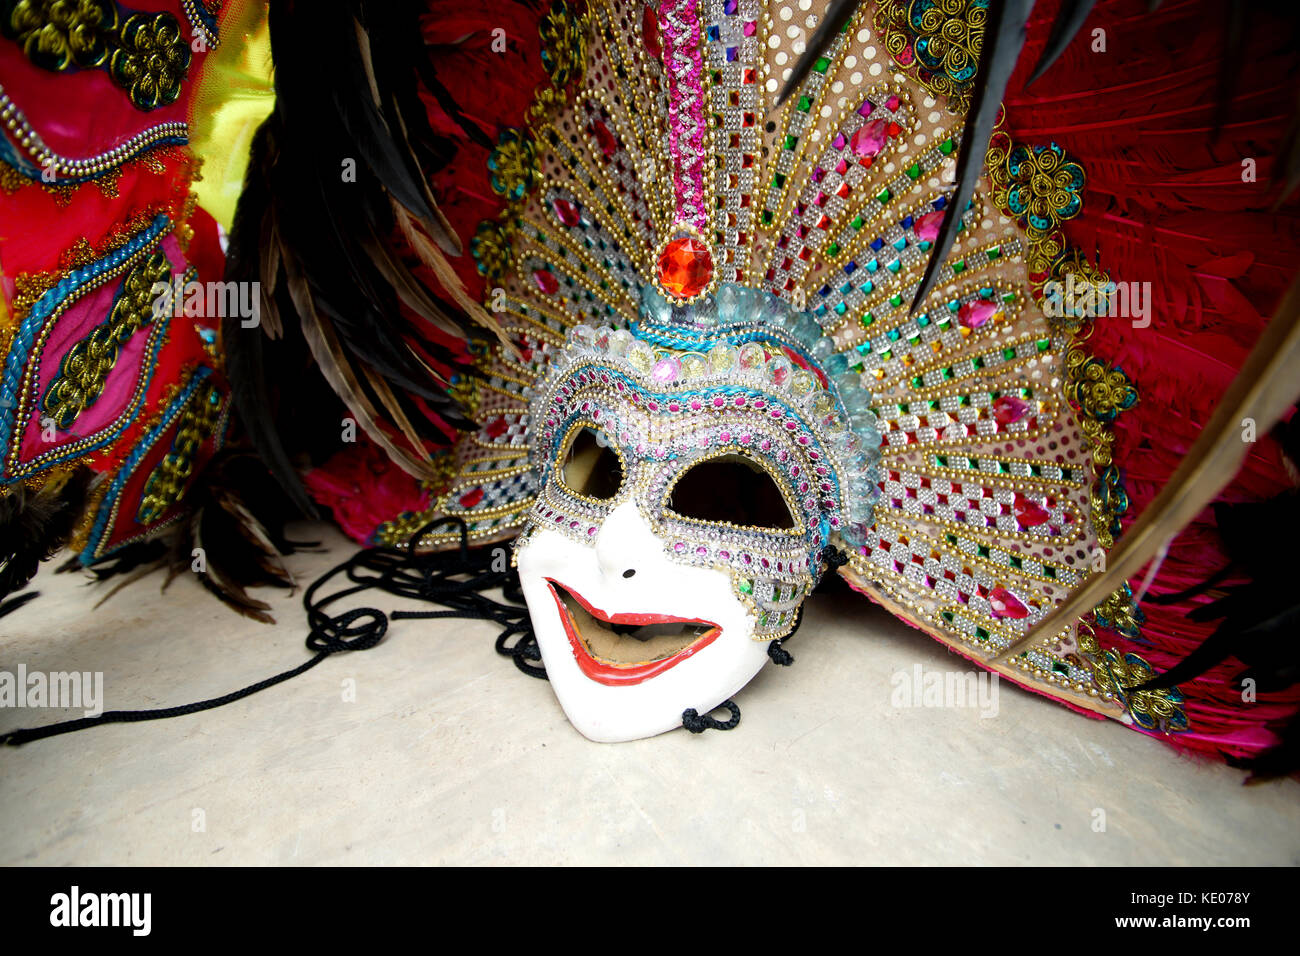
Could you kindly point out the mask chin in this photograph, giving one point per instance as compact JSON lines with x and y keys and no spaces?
{"x":627,"y":654}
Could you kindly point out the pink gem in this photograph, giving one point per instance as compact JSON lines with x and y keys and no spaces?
{"x":666,"y":370}
{"x":927,"y":227}
{"x":566,"y":212}
{"x":546,"y":281}
{"x":869,"y":140}
{"x":975,"y":313}
{"x":1028,"y":512}
{"x":891,"y":104}
{"x":1005,"y":604}
{"x":1008,"y":409}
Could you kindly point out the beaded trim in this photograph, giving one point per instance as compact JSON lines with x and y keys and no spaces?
{"x":21,"y":374}
{"x":67,"y":169}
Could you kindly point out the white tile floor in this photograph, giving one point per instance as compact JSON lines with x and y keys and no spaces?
{"x":449,"y":755}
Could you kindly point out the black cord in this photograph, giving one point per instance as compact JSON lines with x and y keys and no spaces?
{"x":834,"y":557}
{"x":779,"y":654}
{"x":698,"y":724}
{"x":429,"y":577}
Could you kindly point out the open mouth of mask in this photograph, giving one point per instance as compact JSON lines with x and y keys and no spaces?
{"x":627,"y":647}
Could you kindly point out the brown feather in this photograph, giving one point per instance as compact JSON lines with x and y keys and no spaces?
{"x":336,"y":368}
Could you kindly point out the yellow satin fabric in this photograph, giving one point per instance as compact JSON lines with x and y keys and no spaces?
{"x":235,"y":93}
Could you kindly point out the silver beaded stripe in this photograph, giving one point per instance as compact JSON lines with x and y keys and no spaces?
{"x":82,"y":169}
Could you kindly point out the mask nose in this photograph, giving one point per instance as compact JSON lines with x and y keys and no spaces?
{"x":625,"y":543}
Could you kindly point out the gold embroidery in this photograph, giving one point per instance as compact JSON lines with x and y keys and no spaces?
{"x":169,"y":477}
{"x":145,"y":55}
{"x":86,"y":365}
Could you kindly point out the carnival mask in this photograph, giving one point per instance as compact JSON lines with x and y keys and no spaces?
{"x":689,"y":489}
{"x":717,"y":384}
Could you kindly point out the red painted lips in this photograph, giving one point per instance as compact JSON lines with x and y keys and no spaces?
{"x":618,"y":674}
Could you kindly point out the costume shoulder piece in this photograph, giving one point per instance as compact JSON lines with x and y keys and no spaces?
{"x":114,"y":397}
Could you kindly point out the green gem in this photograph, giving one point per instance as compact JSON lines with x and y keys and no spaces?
{"x":746,"y":587}
{"x":832,"y":248}
{"x":778,"y":181}
{"x":946,"y":146}
{"x":857,"y":223}
{"x":1043,"y":344}
{"x":868,"y":319}
{"x":805,"y":104}
{"x":791,"y":142}
{"x":884,"y":195}
{"x":822,"y":64}
{"x":994,"y":253}
{"x":959,"y":266}
{"x":1009,"y":353}
{"x":913,"y":171}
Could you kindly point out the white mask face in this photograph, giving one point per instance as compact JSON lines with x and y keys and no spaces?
{"x":687,"y":493}
{"x":629,"y":637}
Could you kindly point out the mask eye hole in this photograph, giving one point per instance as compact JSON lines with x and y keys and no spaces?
{"x":731,"y":488}
{"x":589,"y":468}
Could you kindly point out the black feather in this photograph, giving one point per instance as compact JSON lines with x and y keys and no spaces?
{"x":1069,"y":20}
{"x":34,"y":525}
{"x":1004,"y":37}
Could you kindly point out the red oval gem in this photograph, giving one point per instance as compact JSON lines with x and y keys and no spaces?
{"x":546,"y":281}
{"x":650,"y":33}
{"x":1028,"y":512}
{"x":1005,"y":604}
{"x":496,"y":428}
{"x":685,"y":267}
{"x":1007,"y":409}
{"x":472,"y":497}
{"x":566,"y":212}
{"x":608,"y":144}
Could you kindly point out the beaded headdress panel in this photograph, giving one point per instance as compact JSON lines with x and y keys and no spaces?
{"x":690,"y":272}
